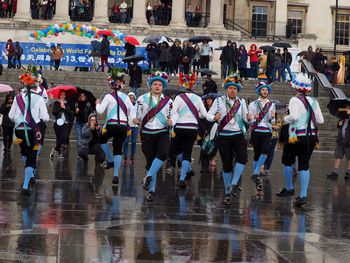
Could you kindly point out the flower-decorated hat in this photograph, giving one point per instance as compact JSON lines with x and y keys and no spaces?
{"x":233,"y":80}
{"x":260,"y":85}
{"x":116,"y":78}
{"x":187,"y":81}
{"x":161,"y":76}
{"x":27,"y":79}
{"x":302,"y":83}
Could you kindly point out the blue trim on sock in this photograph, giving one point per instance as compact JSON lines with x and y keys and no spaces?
{"x":260,"y":162}
{"x":254,"y":165}
{"x":227,"y":180}
{"x":304,"y":182}
{"x":186,"y":167}
{"x":107,"y":151}
{"x":28,"y":173}
{"x":288,"y":177}
{"x":239,"y":168}
{"x":179,"y":157}
{"x":117,"y":163}
{"x":155,"y":167}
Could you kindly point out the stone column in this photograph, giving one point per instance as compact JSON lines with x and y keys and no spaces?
{"x":281,"y":17}
{"x":62,"y":11}
{"x":139,"y":14}
{"x":216,"y":15}
{"x":23,"y":13}
{"x":101,"y":12}
{"x":178,"y":14}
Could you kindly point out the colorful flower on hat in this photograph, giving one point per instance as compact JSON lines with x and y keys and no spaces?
{"x":302,"y":83}
{"x":187,"y":81}
{"x":234,"y":80}
{"x":158,"y":75}
{"x":116,"y":78}
{"x":262,"y":84}
{"x":27,"y":79}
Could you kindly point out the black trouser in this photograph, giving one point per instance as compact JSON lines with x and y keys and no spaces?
{"x":172,"y":152}
{"x":61,"y":133}
{"x":43,"y":128}
{"x":261,"y":142}
{"x":184,"y":141}
{"x":231,"y":146}
{"x":302,"y":149}
{"x":155,"y":146}
{"x":95,"y":149}
{"x":204,"y":61}
{"x":27,"y":150}
{"x":7,"y":136}
{"x":57,"y":64}
{"x":118,"y":132}
{"x":70,"y":126}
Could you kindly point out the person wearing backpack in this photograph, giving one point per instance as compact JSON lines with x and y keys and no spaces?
{"x":17,"y":55}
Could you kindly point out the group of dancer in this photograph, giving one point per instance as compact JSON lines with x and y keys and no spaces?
{"x":159,"y":118}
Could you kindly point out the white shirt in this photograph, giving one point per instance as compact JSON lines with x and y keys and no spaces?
{"x":131,"y":123}
{"x":205,"y":50}
{"x":38,"y":109}
{"x":143,"y":107}
{"x":183,"y":115}
{"x":123,"y":6}
{"x":109,"y":103}
{"x":220,"y":106}
{"x":297,"y":111}
{"x":254,"y":110}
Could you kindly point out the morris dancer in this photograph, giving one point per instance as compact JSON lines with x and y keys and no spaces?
{"x":27,"y":111}
{"x":304,"y":116}
{"x":231,"y":112}
{"x":262,"y":116}
{"x":153,"y":113}
{"x":188,"y":109}
{"x":119,"y":108}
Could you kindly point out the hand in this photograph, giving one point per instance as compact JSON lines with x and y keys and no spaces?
{"x":273,"y":114}
{"x":63,"y":106}
{"x":217,"y":116}
{"x":170,"y":122}
{"x":340,"y":123}
{"x":256,"y":116}
{"x":77,"y":110}
{"x":98,"y":101}
{"x":135,"y":121}
{"x":347,"y":111}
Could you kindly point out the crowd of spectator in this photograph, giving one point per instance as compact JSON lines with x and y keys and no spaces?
{"x":158,"y":14}
{"x":195,"y":17}
{"x":121,"y":13}
{"x":43,"y":9}
{"x":81,"y":10}
{"x":8,"y":8}
{"x":14,"y":52}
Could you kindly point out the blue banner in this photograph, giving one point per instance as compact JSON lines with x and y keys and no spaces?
{"x":75,"y":55}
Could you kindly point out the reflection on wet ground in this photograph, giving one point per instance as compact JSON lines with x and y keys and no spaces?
{"x":75,"y":215}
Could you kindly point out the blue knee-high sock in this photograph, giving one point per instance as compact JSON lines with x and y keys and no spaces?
{"x":152,"y":185}
{"x":39,"y":150}
{"x":237,"y":173}
{"x":227,"y":179}
{"x":107,"y":151}
{"x":117,"y":163}
{"x":156,"y":165}
{"x":288,"y":177}
{"x":28,"y":173}
{"x":261,"y":161}
{"x":254,"y":165}
{"x":304,"y":182}
{"x":179,"y":157}
{"x":186,"y":167}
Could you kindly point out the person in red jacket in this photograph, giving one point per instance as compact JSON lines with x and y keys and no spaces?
{"x":254,"y":60}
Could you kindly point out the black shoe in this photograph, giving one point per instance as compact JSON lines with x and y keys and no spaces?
{"x":115,"y":180}
{"x":347,"y":176}
{"x":300,"y":201}
{"x":332,"y":175}
{"x":32,"y":180}
{"x":259,"y":183}
{"x":234,"y":190}
{"x":150,"y":196}
{"x":284,"y":192}
{"x":182,"y":184}
{"x":108,"y":165}
{"x":227,"y":199}
{"x":146,"y":182}
{"x":26,"y":192}
{"x":189,"y":175}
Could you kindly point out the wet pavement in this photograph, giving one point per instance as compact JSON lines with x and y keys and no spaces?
{"x":75,"y":215}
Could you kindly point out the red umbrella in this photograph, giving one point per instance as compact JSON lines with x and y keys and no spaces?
{"x":131,"y":40}
{"x":54,"y":92}
{"x":106,"y":33}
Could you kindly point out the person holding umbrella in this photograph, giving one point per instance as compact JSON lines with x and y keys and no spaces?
{"x":135,"y":74}
{"x":230,"y":112}
{"x":153,"y":113}
{"x":119,"y":109}
{"x":27,"y":111}
{"x":82,"y":111}
{"x":188,"y":109}
{"x":105,"y":53}
{"x":304,"y":117}
{"x":7,"y":125}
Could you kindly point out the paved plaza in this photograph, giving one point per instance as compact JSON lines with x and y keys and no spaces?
{"x":75,"y":215}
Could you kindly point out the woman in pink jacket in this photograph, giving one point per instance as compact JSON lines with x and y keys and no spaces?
{"x":254,"y":60}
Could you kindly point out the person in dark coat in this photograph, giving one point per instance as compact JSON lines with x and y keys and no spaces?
{"x":17,"y":55}
{"x":286,"y":62}
{"x":320,"y":60}
{"x":83,"y":109}
{"x":135,"y":74}
{"x":105,"y":53}
{"x":152,"y":56}
{"x":164,"y":57}
{"x":209,"y":86}
{"x":89,"y":143}
{"x":175,"y":57}
{"x":7,"y":125}
{"x":242,"y":61}
{"x":227,"y":58}
{"x":186,"y":57}
{"x":270,"y":67}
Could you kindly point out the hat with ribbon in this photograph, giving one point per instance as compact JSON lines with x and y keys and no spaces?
{"x":116,"y":78}
{"x":160,"y":76}
{"x":233,"y":80}
{"x":302,"y":83}
{"x":187,"y":81}
{"x":261,"y":85}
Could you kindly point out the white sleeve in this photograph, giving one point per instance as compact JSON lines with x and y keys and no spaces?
{"x":252,"y":111}
{"x":174,"y":113}
{"x":213,"y":110}
{"x":45,"y":97}
{"x":293,"y":108}
{"x":318,"y":114}
{"x":244,"y":111}
{"x":100,"y":108}
{"x":43,"y":114}
{"x":13,"y":110}
{"x":202,"y":110}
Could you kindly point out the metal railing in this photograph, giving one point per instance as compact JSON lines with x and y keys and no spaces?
{"x":83,"y":14}
{"x":42,"y":12}
{"x":194,"y":19}
{"x":121,"y":18}
{"x":160,"y":17}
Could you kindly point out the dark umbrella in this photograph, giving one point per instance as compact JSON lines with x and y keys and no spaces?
{"x":279,"y":105}
{"x":199,"y":39}
{"x":206,"y":71}
{"x":337,"y":107}
{"x":219,"y":48}
{"x":89,"y":97}
{"x":211,"y":95}
{"x":156,"y":39}
{"x":303,"y":54}
{"x":134,"y":58}
{"x":172,"y":92}
{"x":267,"y":48}
{"x":96,"y":45}
{"x":282,"y":44}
